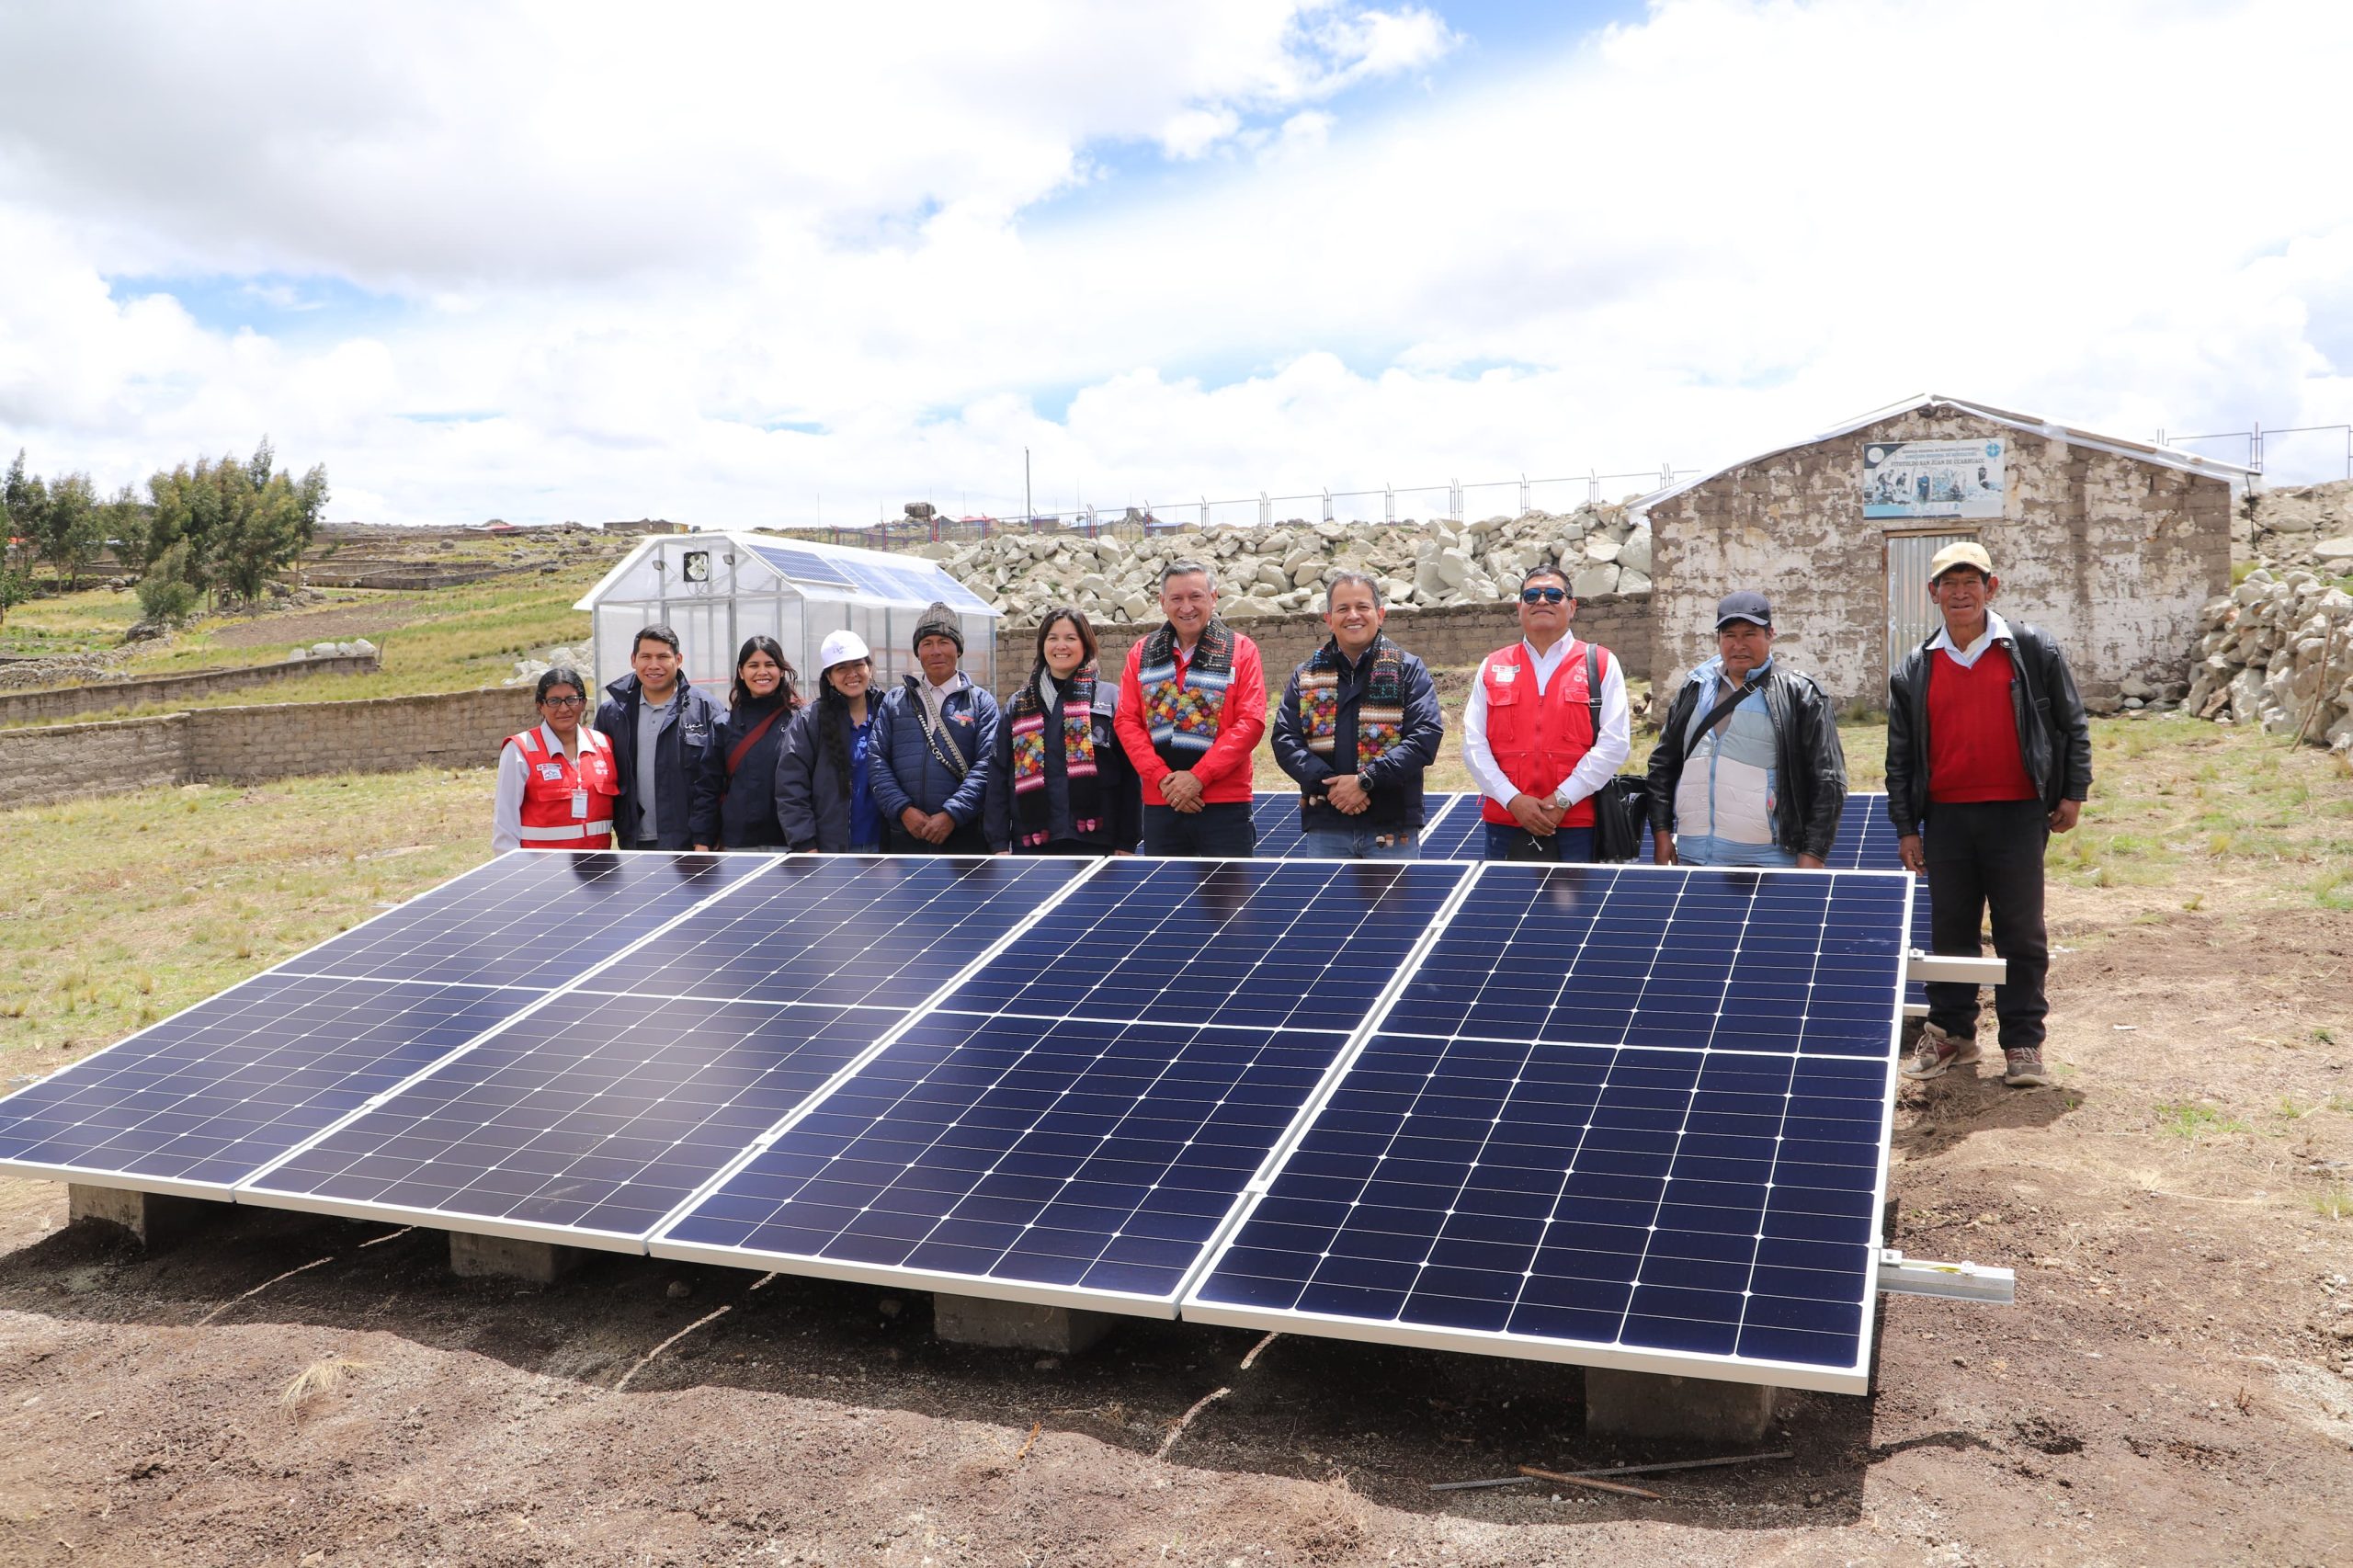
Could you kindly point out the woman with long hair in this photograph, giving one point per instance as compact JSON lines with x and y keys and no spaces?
{"x":734,"y":804}
{"x":824,"y":799}
{"x":1061,"y":783}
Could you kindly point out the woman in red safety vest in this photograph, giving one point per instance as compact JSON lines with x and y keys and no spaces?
{"x":556,"y":781}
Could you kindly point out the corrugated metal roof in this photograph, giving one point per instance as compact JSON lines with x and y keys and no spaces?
{"x":2032,"y":424}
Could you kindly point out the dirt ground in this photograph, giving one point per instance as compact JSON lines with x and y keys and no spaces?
{"x":2175,"y":1385}
{"x":336,"y":623}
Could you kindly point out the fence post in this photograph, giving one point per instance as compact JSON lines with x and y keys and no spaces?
{"x":1388,"y":503}
{"x":1205,"y":512}
{"x":1266,"y":510}
{"x":1454,"y":499}
{"x":1327,"y":489}
{"x":1524,"y":507}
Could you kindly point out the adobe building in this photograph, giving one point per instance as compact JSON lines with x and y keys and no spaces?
{"x":2109,"y":543}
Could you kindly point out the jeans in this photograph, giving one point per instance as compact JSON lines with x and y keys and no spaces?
{"x":1358,"y":843}
{"x":1224,"y":830}
{"x":1569,"y":845}
{"x":1982,"y":854}
{"x":1701,"y":849}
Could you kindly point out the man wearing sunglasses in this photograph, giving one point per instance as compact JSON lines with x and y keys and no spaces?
{"x":1546,"y":726}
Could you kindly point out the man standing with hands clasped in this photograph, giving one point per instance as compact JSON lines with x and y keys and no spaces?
{"x":1547,"y":726}
{"x":1192,"y":707}
{"x":1988,"y":753}
{"x":1358,"y":725}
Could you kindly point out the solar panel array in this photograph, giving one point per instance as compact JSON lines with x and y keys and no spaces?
{"x":1617,"y":1115}
{"x":913,"y":582}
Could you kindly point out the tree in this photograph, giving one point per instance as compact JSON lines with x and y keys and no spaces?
{"x":124,"y":522}
{"x":164,"y":592}
{"x":14,"y":589}
{"x":69,"y":531}
{"x":23,"y":499}
{"x":241,"y":522}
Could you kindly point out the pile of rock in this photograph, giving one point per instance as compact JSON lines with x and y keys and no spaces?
{"x":358,"y":649}
{"x":531,"y":666}
{"x":1283,"y":569}
{"x":2310,"y":525}
{"x":2278,"y":650}
{"x":59,"y":669}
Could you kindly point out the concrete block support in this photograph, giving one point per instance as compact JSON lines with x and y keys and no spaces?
{"x":502,"y":1257}
{"x":1017,"y":1325}
{"x":153,"y":1219}
{"x":1656,"y":1405}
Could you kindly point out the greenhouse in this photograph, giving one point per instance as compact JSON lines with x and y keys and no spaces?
{"x":716,"y":589}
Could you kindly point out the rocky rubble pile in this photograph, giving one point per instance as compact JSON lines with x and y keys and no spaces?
{"x":2278,"y":650}
{"x":531,"y":666}
{"x":2310,"y":525}
{"x":59,"y":669}
{"x":358,"y":648}
{"x":1281,"y":570}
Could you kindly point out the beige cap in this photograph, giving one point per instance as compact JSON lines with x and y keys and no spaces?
{"x":1964,"y":552}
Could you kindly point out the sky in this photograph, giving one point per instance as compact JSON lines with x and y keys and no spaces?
{"x":785,"y":264}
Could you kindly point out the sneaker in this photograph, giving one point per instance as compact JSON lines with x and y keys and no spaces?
{"x":1937,"y":1052}
{"x":2026,"y":1069}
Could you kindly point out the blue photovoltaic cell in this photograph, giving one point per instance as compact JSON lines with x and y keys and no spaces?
{"x":880,"y":930}
{"x":596,"y":1113}
{"x":1275,"y":815}
{"x":1265,"y":944}
{"x":213,"y":1094}
{"x":1460,"y":834}
{"x":801,"y":566}
{"x":1603,"y":955}
{"x":531,"y":918}
{"x":914,"y":583}
{"x":1709,"y":1204}
{"x":1866,"y":842}
{"x":1098,"y":1156}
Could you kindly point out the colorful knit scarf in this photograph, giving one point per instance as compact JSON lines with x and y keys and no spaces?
{"x":1032,"y":803}
{"x":1381,"y":717}
{"x":1183,"y":719}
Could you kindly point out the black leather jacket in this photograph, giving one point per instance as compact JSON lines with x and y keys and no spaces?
{"x":1809,"y":765}
{"x":2054,"y":737}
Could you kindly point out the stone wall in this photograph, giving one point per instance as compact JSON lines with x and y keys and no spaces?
{"x":2114,"y":556}
{"x":1452,"y":638}
{"x":249,"y":744}
{"x":70,"y":701}
{"x":2277,"y":652}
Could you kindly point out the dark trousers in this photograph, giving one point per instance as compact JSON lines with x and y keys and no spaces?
{"x":1989,"y":855}
{"x":1065,"y":847}
{"x":1571,"y":846}
{"x":967,"y":839}
{"x":1224,"y":829}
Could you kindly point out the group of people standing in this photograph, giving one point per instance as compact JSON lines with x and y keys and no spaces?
{"x":1986,"y":741}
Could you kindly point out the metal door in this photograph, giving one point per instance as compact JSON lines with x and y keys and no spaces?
{"x":1912,"y":618}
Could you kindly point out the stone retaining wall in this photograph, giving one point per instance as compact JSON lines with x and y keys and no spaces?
{"x":250,"y":744}
{"x":69,"y":702}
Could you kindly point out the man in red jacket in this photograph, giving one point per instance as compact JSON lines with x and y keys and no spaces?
{"x":1192,"y":705}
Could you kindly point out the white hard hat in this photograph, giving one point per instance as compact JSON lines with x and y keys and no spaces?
{"x":841,"y":648}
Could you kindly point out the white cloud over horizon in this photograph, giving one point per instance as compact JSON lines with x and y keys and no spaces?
{"x":588,"y":262}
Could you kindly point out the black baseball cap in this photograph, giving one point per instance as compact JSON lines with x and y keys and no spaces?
{"x":1746,"y":604}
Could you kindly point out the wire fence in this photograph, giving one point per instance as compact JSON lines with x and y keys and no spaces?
{"x":1451,"y":502}
{"x":2260,"y":438}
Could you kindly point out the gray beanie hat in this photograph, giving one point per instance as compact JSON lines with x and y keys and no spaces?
{"x":940,"y":621}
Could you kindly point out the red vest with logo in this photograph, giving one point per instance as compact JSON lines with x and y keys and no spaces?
{"x":551,"y":780}
{"x":1538,"y":738}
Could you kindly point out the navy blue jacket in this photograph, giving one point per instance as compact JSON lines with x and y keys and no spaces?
{"x":905,"y":773}
{"x":1394,"y":780}
{"x":812,"y":806}
{"x":1120,"y":792}
{"x":687,"y":737}
{"x":740,"y":812}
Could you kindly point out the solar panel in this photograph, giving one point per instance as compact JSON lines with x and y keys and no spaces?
{"x":1626,"y":1116}
{"x":1078,"y":1118}
{"x":801,"y":566}
{"x":531,"y":919}
{"x":1281,"y":835}
{"x":1707,"y":1212}
{"x":1274,"y":814}
{"x":1042,"y":1157}
{"x":1460,"y":834}
{"x":198,"y":1102}
{"x":1267,"y":944}
{"x":1604,"y":955}
{"x":885,"y":931}
{"x":1866,"y":842}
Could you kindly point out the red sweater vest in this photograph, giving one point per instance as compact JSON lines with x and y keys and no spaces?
{"x":550,"y":780}
{"x":1973,"y":732}
{"x":1538,"y":738}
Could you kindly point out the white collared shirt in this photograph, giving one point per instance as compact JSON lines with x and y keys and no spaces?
{"x":1610,"y":747}
{"x":1997,"y":630}
{"x":515,"y":774}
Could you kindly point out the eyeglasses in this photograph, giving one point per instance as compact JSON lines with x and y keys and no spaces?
{"x":1543,"y":596}
{"x":563,"y":702}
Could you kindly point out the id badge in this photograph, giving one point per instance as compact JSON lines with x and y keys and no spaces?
{"x":580,"y":805}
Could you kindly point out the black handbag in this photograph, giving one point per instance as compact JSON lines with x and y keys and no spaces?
{"x":1622,"y":808}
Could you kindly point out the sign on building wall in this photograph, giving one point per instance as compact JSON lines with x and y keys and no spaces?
{"x":1933,"y":478}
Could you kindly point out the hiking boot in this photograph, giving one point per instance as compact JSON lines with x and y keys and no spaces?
{"x":1937,"y":1052}
{"x":2026,"y":1069}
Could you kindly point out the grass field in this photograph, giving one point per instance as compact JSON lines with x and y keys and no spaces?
{"x":118,"y":911}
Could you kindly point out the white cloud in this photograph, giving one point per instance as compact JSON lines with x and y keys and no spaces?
{"x":630,"y":253}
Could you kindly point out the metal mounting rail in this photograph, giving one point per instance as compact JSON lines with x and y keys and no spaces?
{"x":1954,"y":1281}
{"x":1921,"y":966}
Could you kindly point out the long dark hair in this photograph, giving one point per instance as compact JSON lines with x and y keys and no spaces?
{"x":834,"y":723}
{"x":740,"y":696}
{"x":1078,"y":623}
